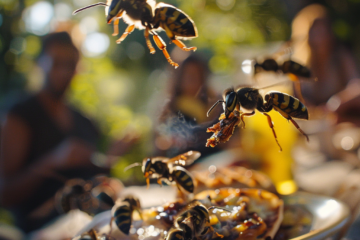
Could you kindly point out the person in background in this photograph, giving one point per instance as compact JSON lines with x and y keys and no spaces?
{"x":45,"y":142}
{"x":331,"y":63}
{"x":183,"y":121}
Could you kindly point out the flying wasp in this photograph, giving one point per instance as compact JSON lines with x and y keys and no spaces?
{"x":147,"y":15}
{"x":250,"y":99}
{"x":292,"y":69}
{"x":122,"y":213}
{"x":192,"y":223}
{"x":170,"y":169}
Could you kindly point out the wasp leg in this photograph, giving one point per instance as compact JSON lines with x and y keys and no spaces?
{"x":271,"y":125}
{"x":297,"y":126}
{"x":159,"y":182}
{"x":148,"y":43}
{"x":178,"y":187}
{"x":111,"y":220}
{"x":128,"y":30}
{"x":116,"y":27}
{"x":245,"y":114}
{"x":181,"y":45}
{"x":162,"y":46}
{"x":217,"y":234}
{"x":116,"y":23}
{"x":148,"y":183}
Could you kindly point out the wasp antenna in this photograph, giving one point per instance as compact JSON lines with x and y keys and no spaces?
{"x":132,"y":165}
{"x":273,"y":85}
{"x":90,"y":6}
{"x":213,"y":106}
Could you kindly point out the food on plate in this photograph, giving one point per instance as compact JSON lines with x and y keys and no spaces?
{"x":255,"y":213}
{"x":238,"y":177}
{"x":227,"y":213}
{"x":297,"y":221}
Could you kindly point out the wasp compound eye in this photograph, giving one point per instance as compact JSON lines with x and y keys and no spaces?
{"x":147,"y":166}
{"x":230,"y":101}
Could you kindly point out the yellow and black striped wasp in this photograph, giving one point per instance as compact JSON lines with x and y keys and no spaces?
{"x":170,"y":170}
{"x":147,"y":15}
{"x":292,"y":69}
{"x":122,"y":213}
{"x":192,"y":223}
{"x":250,"y":99}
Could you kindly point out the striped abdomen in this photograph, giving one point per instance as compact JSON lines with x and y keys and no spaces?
{"x":296,"y":69}
{"x":288,"y":105}
{"x":177,"y":21}
{"x":122,"y":217}
{"x":183,"y":178}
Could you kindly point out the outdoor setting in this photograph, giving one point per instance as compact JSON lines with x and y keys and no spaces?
{"x":180,"y":120}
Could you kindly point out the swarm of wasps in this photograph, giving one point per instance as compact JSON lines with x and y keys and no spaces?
{"x":172,"y":171}
{"x":152,"y":17}
{"x":193,"y":221}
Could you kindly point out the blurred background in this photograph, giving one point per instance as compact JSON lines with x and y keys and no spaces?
{"x":126,"y":91}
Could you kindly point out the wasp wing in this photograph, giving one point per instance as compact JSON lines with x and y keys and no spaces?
{"x":184,"y":159}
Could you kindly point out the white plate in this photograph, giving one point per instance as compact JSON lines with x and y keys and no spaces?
{"x":329,"y":216}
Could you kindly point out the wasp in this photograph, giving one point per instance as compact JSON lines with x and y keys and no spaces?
{"x":294,"y":70}
{"x":250,"y":99}
{"x":147,"y":15}
{"x":122,"y":213}
{"x":192,"y":223}
{"x":76,"y":194}
{"x":170,"y":169}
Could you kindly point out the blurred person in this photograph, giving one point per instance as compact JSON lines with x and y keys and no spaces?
{"x":314,"y":43}
{"x":183,"y":122}
{"x":331,"y":63}
{"x":346,"y":104}
{"x":45,"y":141}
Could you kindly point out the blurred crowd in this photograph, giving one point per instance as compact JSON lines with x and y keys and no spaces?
{"x":45,"y":141}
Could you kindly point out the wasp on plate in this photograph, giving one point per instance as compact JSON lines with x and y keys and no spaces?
{"x":122,"y":213}
{"x":192,"y":223}
{"x":249,"y":98}
{"x":170,"y":169}
{"x":147,"y":15}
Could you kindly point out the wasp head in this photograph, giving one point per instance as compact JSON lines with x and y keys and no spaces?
{"x":146,"y":168}
{"x":114,"y":9}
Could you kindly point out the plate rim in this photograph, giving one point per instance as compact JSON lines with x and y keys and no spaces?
{"x":332,"y":228}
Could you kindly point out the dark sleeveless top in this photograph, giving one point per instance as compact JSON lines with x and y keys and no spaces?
{"x":45,"y":137}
